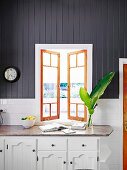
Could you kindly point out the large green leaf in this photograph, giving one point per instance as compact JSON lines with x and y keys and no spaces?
{"x":101,"y":87}
{"x":85,"y":97}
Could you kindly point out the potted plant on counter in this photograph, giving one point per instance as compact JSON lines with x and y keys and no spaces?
{"x":90,"y":100}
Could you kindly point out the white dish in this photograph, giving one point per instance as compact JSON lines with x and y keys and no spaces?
{"x":28,"y":123}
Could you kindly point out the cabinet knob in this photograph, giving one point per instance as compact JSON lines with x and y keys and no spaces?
{"x":33,"y":150}
{"x":52,"y":145}
{"x":64,"y":162}
{"x":71,"y":162}
{"x":0,"y":150}
{"x":83,"y":145}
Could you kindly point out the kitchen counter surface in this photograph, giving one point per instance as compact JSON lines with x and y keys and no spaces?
{"x":13,"y":130}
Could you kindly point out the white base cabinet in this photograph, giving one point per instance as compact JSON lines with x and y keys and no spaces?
{"x":20,"y":154}
{"x":83,"y":153}
{"x":52,"y":153}
{"x":48,"y":160}
{"x":72,"y":153}
{"x":82,"y":160}
{"x":49,"y":153}
{"x":2,"y":154}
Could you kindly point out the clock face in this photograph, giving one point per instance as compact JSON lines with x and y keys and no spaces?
{"x":11,"y":74}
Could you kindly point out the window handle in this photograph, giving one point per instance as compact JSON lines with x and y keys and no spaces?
{"x":0,"y":150}
{"x":71,"y":162}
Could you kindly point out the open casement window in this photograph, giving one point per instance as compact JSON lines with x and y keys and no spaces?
{"x":52,"y":90}
{"x":50,"y":85}
{"x":77,"y":77}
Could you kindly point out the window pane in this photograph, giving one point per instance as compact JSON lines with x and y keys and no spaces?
{"x":74,"y":89}
{"x":80,"y":59}
{"x":77,"y":75}
{"x":50,"y":90}
{"x":46,"y":59}
{"x":73,"y":110}
{"x":80,"y":110}
{"x":49,"y":75}
{"x":46,"y":110}
{"x":54,"y":59}
{"x":73,"y":60}
{"x":76,"y":81}
{"x":50,"y":82}
{"x":53,"y":109}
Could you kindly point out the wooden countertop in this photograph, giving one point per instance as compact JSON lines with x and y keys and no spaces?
{"x":13,"y":130}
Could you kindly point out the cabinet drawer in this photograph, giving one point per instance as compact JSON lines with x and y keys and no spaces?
{"x":52,"y":144}
{"x":81,"y":144}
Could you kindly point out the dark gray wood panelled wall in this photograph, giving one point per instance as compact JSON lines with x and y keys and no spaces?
{"x":23,"y":23}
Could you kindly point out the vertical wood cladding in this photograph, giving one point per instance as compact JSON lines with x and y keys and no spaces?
{"x":23,"y":23}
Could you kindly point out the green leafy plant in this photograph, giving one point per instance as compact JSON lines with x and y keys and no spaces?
{"x":90,"y":100}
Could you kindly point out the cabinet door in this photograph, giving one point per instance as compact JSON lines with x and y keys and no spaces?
{"x":20,"y":154}
{"x":1,"y":154}
{"x":48,"y":160}
{"x":83,"y":160}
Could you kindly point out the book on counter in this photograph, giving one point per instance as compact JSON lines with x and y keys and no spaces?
{"x":52,"y":127}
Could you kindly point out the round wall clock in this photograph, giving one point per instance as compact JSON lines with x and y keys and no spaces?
{"x":11,"y":74}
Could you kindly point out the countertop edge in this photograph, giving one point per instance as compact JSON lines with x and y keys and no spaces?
{"x":13,"y":130}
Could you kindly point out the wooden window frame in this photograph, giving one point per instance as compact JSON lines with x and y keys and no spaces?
{"x":85,"y":84}
{"x":41,"y":87}
{"x":50,"y":117}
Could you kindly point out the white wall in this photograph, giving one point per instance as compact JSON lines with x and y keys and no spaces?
{"x":15,"y":109}
{"x":106,"y":113}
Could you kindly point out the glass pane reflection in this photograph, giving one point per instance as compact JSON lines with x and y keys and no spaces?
{"x":50,"y":90}
{"x":53,"y":109}
{"x":46,"y":110}
{"x":73,"y":110}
